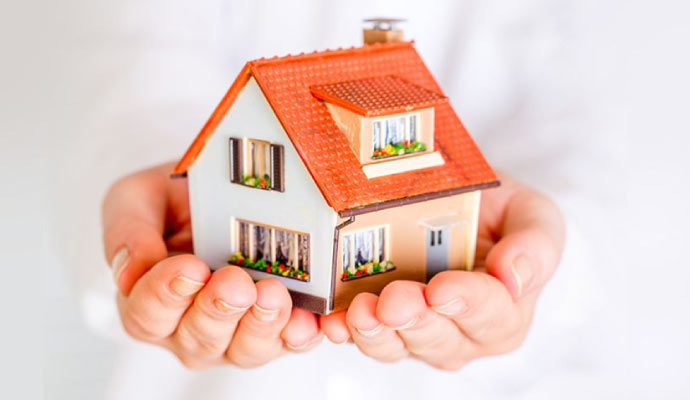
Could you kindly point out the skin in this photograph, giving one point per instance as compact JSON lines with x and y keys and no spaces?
{"x":170,"y":298}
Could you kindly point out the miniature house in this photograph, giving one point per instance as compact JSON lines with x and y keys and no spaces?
{"x":336,"y":172}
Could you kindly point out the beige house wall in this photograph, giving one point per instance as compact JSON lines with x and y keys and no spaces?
{"x":407,"y":242}
{"x":350,"y":124}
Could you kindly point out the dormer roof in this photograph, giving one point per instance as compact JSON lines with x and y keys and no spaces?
{"x":377,"y":96}
{"x":287,"y":84}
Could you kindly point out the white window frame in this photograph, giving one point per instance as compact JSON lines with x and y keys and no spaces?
{"x":406,"y":134}
{"x":375,"y":250}
{"x":252,"y":248}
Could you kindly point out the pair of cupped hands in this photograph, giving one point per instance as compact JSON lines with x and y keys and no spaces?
{"x":223,"y":317}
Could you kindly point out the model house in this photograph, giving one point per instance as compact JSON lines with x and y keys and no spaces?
{"x":336,"y":172}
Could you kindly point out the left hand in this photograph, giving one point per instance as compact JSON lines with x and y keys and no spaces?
{"x":463,"y":315}
{"x":174,"y":301}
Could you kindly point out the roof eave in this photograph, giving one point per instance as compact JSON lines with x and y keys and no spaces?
{"x":415,"y":199}
{"x":180,"y":170}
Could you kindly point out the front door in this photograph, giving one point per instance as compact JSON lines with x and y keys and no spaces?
{"x":436,"y":250}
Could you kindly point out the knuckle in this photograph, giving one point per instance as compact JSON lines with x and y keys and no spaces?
{"x":191,"y":363}
{"x":244,"y":361}
{"x":505,"y":346}
{"x":196,"y":341}
{"x":251,"y":355}
{"x":454,"y":364}
{"x":140,"y":328}
{"x":392,"y":357}
{"x":161,"y":294}
{"x":429,"y":347}
{"x":386,"y":354}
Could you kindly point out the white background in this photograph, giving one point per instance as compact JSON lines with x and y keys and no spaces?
{"x":588,"y":101}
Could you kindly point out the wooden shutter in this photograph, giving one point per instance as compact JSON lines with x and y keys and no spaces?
{"x":277,"y":168}
{"x":235,"y":156}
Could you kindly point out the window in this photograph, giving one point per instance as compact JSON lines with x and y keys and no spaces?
{"x":272,"y":250}
{"x":365,"y":252}
{"x":259,"y":162}
{"x":256,"y":163}
{"x":436,"y":238}
{"x":396,"y":136}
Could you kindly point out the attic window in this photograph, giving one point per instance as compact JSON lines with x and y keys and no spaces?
{"x":382,"y":117}
{"x":257,"y":163}
{"x":397,"y":135}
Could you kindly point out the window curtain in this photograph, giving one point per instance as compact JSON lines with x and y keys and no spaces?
{"x":377,"y":135}
{"x":346,"y":250}
{"x":262,"y":243}
{"x":413,"y":127}
{"x":364,"y":249}
{"x":285,"y":247}
{"x":382,"y":244}
{"x":303,"y":262}
{"x":244,"y":239}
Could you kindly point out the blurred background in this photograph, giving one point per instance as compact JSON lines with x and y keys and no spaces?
{"x":587,"y":101}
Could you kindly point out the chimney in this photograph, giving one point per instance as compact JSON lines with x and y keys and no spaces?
{"x":382,"y":30}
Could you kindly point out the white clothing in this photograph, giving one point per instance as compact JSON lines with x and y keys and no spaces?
{"x":129,"y":84}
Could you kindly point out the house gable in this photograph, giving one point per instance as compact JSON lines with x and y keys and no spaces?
{"x":216,"y":204}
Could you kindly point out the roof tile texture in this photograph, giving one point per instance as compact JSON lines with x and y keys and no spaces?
{"x":382,"y":95}
{"x":286,"y":82}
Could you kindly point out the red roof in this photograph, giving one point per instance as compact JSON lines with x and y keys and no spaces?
{"x":287,"y":81}
{"x":382,"y":95}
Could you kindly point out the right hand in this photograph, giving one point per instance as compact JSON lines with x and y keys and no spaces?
{"x":204,"y":318}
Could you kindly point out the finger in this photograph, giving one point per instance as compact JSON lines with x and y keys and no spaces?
{"x":426,"y":334}
{"x":369,"y":334}
{"x":159,"y":299}
{"x":532,"y":234}
{"x":478,"y":303}
{"x":334,"y":326}
{"x":257,"y":339}
{"x":302,"y":331}
{"x":208,"y":325}
{"x":134,"y":213}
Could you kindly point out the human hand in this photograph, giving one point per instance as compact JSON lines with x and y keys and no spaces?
{"x":204,"y":318}
{"x":461,"y":315}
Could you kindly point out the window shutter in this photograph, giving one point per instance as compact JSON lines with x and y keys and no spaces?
{"x":277,"y":168}
{"x":235,"y":160}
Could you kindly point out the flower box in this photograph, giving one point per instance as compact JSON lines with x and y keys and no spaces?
{"x":275,"y":267}
{"x":398,"y":149}
{"x":368,"y":269}
{"x":257,"y":182}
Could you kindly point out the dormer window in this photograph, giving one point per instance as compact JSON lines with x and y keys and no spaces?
{"x":397,"y":135}
{"x":383,"y":118}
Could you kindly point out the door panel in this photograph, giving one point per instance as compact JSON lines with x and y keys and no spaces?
{"x":436,"y":251}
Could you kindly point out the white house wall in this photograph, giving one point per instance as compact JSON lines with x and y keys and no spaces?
{"x":215,"y":202}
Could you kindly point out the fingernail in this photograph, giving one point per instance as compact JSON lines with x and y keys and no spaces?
{"x":305,"y":345}
{"x":226,"y":308}
{"x":407,"y":325}
{"x":264,"y":314}
{"x":371,"y":332}
{"x":523,"y":271}
{"x":119,"y":263}
{"x":453,"y":307}
{"x":183,"y":286}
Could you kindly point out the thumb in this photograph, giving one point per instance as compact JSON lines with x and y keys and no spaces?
{"x":530,"y":243}
{"x":133,"y":225}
